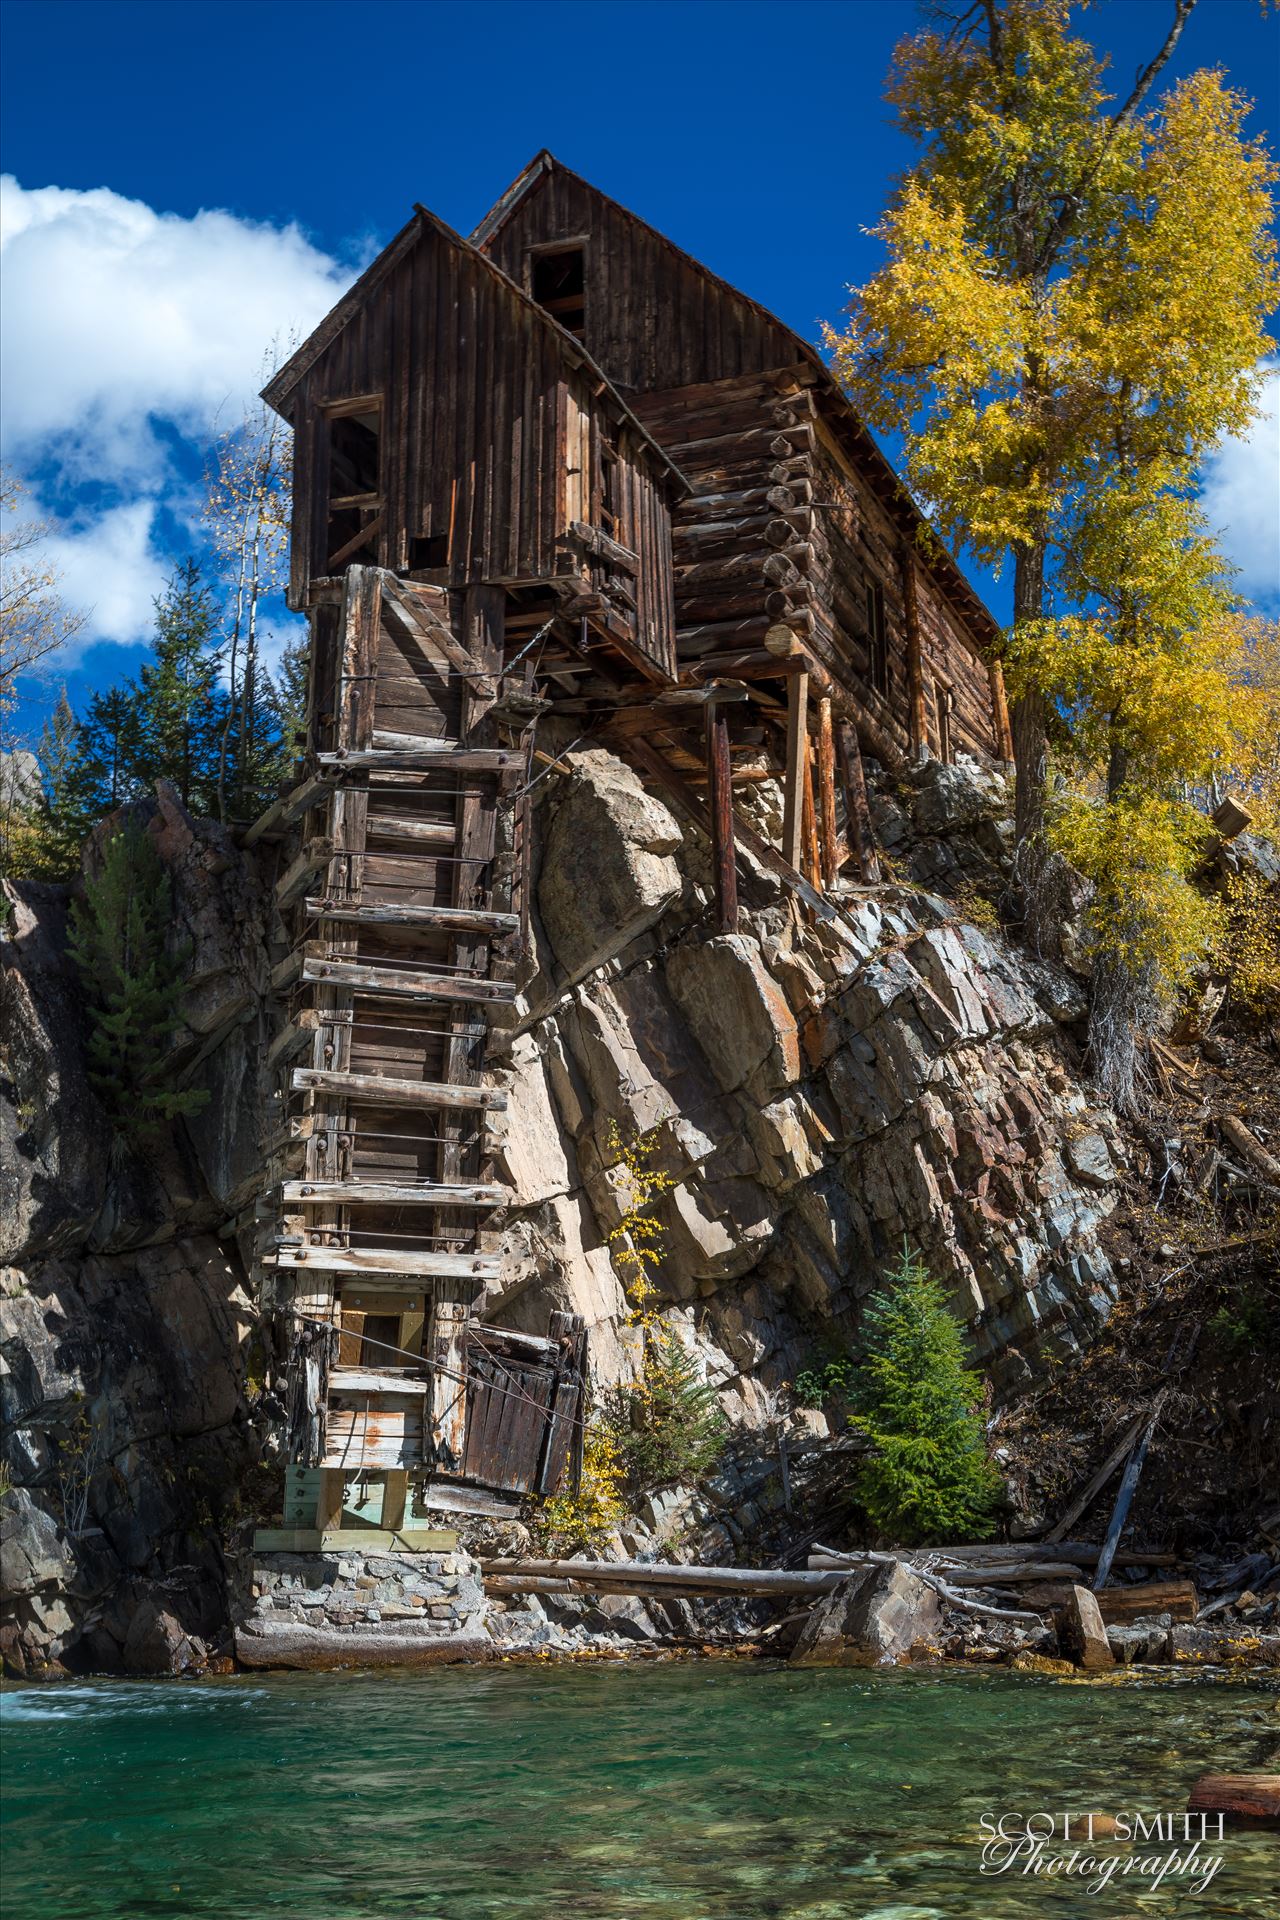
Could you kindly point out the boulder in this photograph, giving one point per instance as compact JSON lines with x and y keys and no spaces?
{"x":872,"y":1619}
{"x":33,"y":1553}
{"x":608,"y":870}
{"x":1083,"y":1632}
{"x":737,"y":1012}
{"x":1141,"y":1641}
{"x":157,"y":1643}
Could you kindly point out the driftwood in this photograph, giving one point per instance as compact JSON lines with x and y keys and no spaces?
{"x":1124,"y":1497}
{"x":1253,"y":1799}
{"x":931,"y":1578}
{"x":1098,"y":1482}
{"x":995,"y":1554}
{"x":1011,"y":1573}
{"x":1249,"y":1148}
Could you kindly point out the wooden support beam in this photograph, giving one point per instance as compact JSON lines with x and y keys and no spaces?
{"x":809,"y":816}
{"x":447,"y":1407}
{"x":720,"y":804}
{"x":856,"y":806}
{"x":297,"y":875}
{"x":385,"y":1193}
{"x":292,"y":1038}
{"x":415,"y":610}
{"x":438,"y":919}
{"x":396,"y":981}
{"x":419,"y":1262}
{"x":417,"y":755}
{"x":1000,"y":712}
{"x":378,"y":1090}
{"x":917,"y":723}
{"x":827,"y":792}
{"x":793,"y":792}
{"x":278,"y":818}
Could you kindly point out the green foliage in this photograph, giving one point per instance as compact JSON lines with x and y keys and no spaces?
{"x":929,"y":1476}
{"x":578,"y":1519}
{"x":667,"y":1424}
{"x":178,"y":716}
{"x":1247,"y":1324}
{"x":132,"y":983}
{"x":819,"y":1386}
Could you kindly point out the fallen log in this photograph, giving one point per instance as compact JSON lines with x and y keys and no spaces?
{"x":996,"y":1573}
{"x":1081,"y":1553}
{"x":1250,"y":1149}
{"x":643,"y":1576}
{"x":1176,"y":1597}
{"x":1250,"y":1799}
{"x":1124,"y":1497}
{"x":1113,"y":1461}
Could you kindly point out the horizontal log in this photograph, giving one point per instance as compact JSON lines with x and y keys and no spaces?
{"x":997,"y":1573}
{"x":643,"y":1576}
{"x":1247,"y":1797}
{"x":378,"y":1090}
{"x":363,"y":1380}
{"x":285,"y":811}
{"x":420,"y":756}
{"x":1178,"y":1597}
{"x":394,"y":981}
{"x":293,"y":1038}
{"x":382,"y":914}
{"x":421,"y":1262}
{"x":604,"y":548}
{"x":401,"y":830}
{"x":386,"y":1193}
{"x":1080,"y":1553}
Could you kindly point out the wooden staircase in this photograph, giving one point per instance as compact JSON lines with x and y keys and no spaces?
{"x":402,"y":909}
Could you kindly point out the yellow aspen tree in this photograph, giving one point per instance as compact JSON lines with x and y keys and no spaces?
{"x":1070,"y":279}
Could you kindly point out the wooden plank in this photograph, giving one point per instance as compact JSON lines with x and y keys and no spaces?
{"x":296,"y":876}
{"x":420,"y":755}
{"x":375,"y":1380}
{"x":830,"y":839}
{"x":1124,"y":1496}
{"x":1093,"y":1488}
{"x":423,"y":1263}
{"x":720,"y":806}
{"x":395,"y":982}
{"x":380,"y":1091}
{"x":447,"y":1408}
{"x":440,"y":919}
{"x":400,"y":830}
{"x":793,"y":794}
{"x":386,"y":1193}
{"x":291,"y":807}
{"x":917,"y":725}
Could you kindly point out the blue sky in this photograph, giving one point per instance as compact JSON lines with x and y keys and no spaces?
{"x":191,"y":177}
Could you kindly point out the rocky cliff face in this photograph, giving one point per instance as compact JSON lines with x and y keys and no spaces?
{"x":124,"y":1323}
{"x":821,"y":1093}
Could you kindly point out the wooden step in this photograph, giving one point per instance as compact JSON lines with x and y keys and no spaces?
{"x":398,"y":831}
{"x":441,"y":919}
{"x":376,"y":1089}
{"x":394,"y":981}
{"x":420,"y":756}
{"x":384,"y":1193}
{"x":422,"y":1265}
{"x":286,"y":810}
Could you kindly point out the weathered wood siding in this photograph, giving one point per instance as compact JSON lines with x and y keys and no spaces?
{"x":654,"y":317}
{"x":491,"y":439}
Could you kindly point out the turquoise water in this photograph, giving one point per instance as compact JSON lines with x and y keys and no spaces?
{"x":692,"y":1791}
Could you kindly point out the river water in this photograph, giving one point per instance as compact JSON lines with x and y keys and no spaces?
{"x":689,"y":1791}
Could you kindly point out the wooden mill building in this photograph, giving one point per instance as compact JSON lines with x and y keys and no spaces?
{"x":558,"y":467}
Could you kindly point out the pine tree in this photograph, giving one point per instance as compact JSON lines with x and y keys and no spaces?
{"x":928,"y":1476}
{"x":132,"y":982}
{"x":64,"y":809}
{"x":112,"y":746}
{"x":181,"y":707}
{"x":667,"y":1423}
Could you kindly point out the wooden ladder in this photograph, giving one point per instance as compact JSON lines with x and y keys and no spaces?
{"x":402,"y":908}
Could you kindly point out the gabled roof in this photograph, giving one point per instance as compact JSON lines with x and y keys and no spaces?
{"x":278,"y":389}
{"x":890,"y":489}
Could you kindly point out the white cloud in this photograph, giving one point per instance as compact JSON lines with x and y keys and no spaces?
{"x":111,"y":571}
{"x":1241,"y":497}
{"x":115,"y":314}
{"x":120,"y":329}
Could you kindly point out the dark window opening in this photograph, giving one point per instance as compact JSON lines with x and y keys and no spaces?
{"x":944,"y":701}
{"x":380,"y":1342}
{"x":609,"y":494}
{"x":558,"y":282}
{"x":354,"y":519}
{"x":428,"y":550}
{"x":877,"y":640}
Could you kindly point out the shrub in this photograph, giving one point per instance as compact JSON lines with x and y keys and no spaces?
{"x":132,"y":982}
{"x":928,"y":1476}
{"x":667,"y":1424}
{"x":584,"y":1516}
{"x":1250,"y":949}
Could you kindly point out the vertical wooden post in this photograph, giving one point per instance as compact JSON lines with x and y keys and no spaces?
{"x":333,"y":1487}
{"x":448,"y":1402}
{"x":1000,"y":713}
{"x":813,"y":862}
{"x":797,"y":756}
{"x":827,"y":791}
{"x":917,"y":723}
{"x":395,"y":1498}
{"x":720,"y":799}
{"x":857,"y":811}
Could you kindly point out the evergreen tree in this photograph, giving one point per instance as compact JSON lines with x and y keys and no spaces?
{"x":667,"y":1424}
{"x":181,"y":707}
{"x":132,"y":983}
{"x":289,"y":703}
{"x":64,"y":809}
{"x":928,"y":1476}
{"x":112,"y":746}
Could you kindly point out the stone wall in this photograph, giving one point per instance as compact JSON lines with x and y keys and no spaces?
{"x":304,"y":1608}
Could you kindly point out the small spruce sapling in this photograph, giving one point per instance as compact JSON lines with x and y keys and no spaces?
{"x":914,"y":1399}
{"x":133,"y":981}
